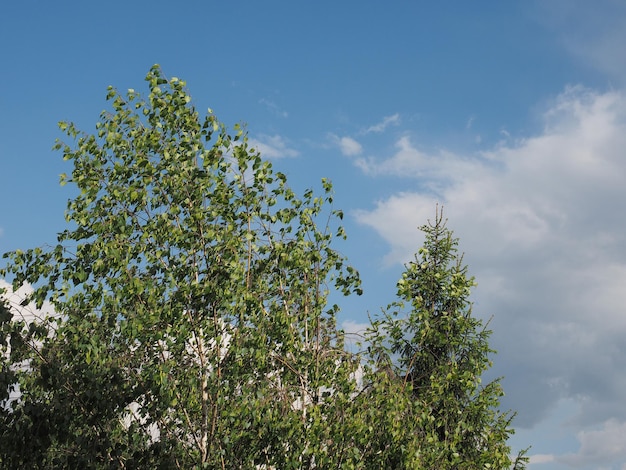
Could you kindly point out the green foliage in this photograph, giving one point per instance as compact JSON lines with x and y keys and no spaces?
{"x":193,"y":328}
{"x":438,"y":352}
{"x":192,"y":288}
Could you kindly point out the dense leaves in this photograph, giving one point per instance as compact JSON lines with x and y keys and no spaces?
{"x":439,"y":353}
{"x":192,"y":327}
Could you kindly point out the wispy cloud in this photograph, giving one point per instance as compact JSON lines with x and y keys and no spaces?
{"x":470,"y":122}
{"x":272,"y":146}
{"x":541,"y":220}
{"x":591,"y":32}
{"x":274,"y":108}
{"x":382,"y":126}
{"x":350,"y":147}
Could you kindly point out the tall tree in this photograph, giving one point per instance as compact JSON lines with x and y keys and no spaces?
{"x":191,"y":287}
{"x":437,"y":353}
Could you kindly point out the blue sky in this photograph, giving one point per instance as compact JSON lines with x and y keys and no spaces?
{"x":511,"y":114}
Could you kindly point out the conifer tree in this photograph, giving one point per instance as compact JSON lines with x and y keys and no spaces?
{"x":438,"y":352}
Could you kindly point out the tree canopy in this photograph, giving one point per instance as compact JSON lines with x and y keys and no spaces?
{"x":440,"y":352}
{"x":192,"y":326}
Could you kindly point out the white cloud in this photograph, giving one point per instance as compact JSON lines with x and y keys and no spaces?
{"x":348,"y":146}
{"x":352,"y":327}
{"x":28,"y":313}
{"x":354,"y":332}
{"x":272,"y":146}
{"x":603,"y":446}
{"x":541,"y":458}
{"x":381,"y":126}
{"x":396,"y":220}
{"x":541,"y":221}
{"x":408,"y":161}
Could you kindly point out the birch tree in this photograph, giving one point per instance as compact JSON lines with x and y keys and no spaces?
{"x":191,"y":286}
